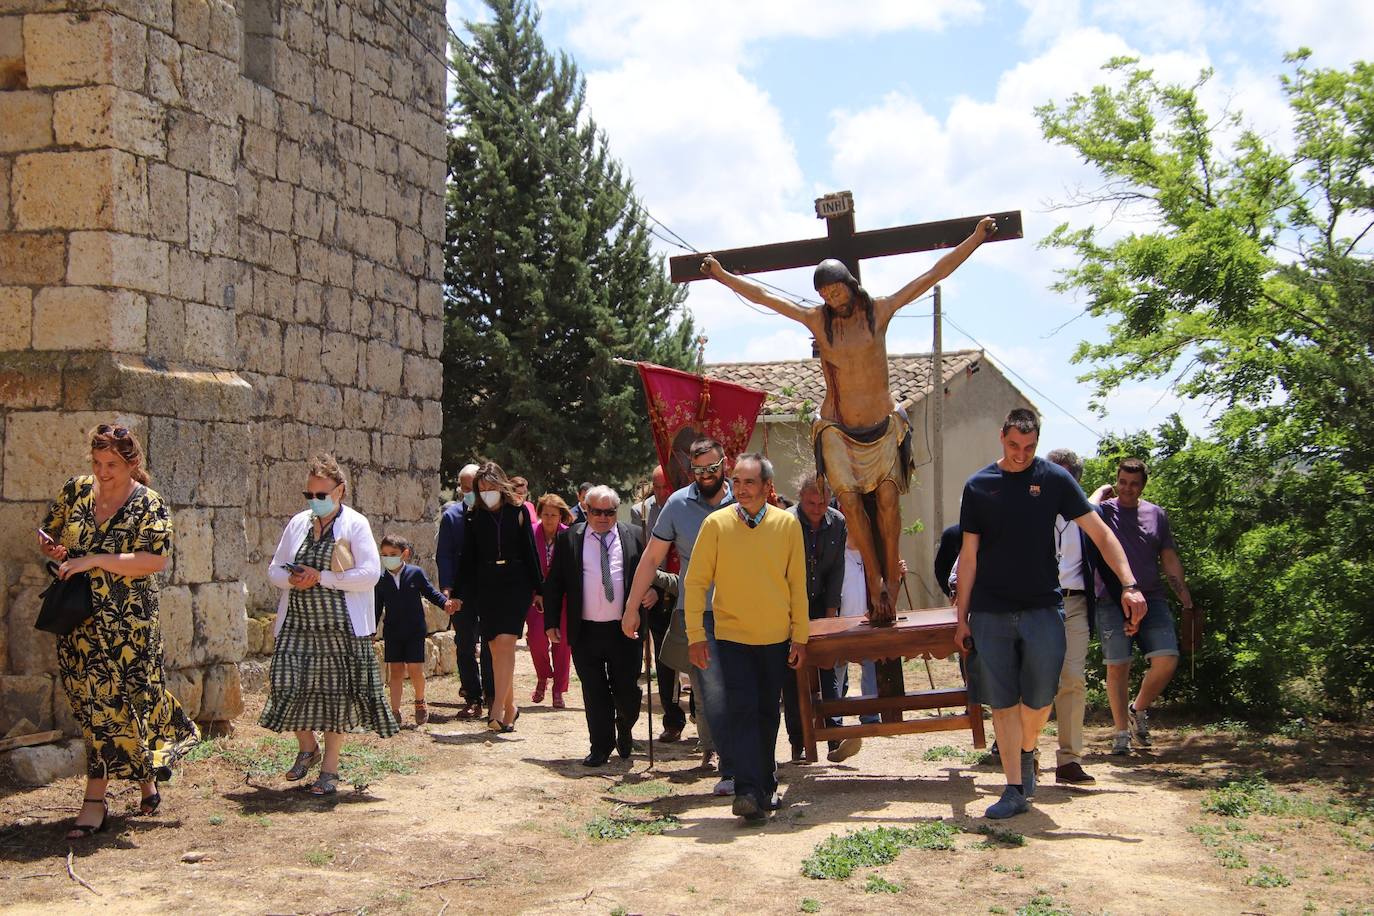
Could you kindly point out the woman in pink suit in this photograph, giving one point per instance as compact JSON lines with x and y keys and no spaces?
{"x":550,"y":662}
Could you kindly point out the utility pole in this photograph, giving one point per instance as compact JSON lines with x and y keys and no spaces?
{"x":937,"y":439}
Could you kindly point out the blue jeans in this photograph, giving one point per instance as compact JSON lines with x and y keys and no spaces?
{"x":710,"y":699}
{"x":1017,"y":657}
{"x":1156,"y":635}
{"x":753,"y":678}
{"x":868,"y":684}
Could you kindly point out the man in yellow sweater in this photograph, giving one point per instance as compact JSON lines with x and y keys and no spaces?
{"x":752,"y":554}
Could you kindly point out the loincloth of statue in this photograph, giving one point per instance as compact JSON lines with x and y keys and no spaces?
{"x":859,"y":460}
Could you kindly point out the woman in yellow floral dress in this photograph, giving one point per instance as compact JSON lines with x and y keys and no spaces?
{"x":111,"y":525}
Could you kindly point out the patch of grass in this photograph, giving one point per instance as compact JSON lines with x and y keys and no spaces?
{"x":1016,"y":870}
{"x":319,"y":857}
{"x":880,"y":885}
{"x":1231,"y":857}
{"x":810,"y":905}
{"x":1268,"y":877}
{"x":619,"y":910}
{"x":364,"y":764}
{"x":620,"y":824}
{"x":216,"y":820}
{"x":1225,"y":727}
{"x":271,"y":755}
{"x":650,"y":789}
{"x":968,"y":756}
{"x":996,"y":837}
{"x":257,"y":820}
{"x":996,"y":909}
{"x":838,"y":856}
{"x":1042,"y":904}
{"x":1239,"y":798}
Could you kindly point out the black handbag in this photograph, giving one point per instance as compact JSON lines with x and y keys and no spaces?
{"x":67,"y":602}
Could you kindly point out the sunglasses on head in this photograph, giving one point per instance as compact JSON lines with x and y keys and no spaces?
{"x":323,"y":494}
{"x":116,"y":432}
{"x":707,"y":470}
{"x":607,"y":513}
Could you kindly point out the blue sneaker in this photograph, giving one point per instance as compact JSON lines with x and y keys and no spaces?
{"x":1010,"y":804}
{"x":1029,"y":766}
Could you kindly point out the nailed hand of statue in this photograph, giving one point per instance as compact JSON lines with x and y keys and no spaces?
{"x":709,"y":264}
{"x":989,"y":226}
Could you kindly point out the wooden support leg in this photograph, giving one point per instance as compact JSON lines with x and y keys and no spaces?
{"x":808,"y":684}
{"x":975,"y":721}
{"x":891,"y":684}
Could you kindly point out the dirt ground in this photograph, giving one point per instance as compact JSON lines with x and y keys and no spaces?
{"x":485,"y":824}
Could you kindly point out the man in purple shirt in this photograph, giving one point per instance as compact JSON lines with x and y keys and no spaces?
{"x":1143,"y":530}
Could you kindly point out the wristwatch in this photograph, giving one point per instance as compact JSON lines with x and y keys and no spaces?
{"x":1132,"y":585}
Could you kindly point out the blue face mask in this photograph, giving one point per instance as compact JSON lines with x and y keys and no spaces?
{"x":392,"y":563}
{"x":470,"y":499}
{"x":323,"y":507}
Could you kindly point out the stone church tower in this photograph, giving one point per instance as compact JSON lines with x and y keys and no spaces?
{"x":221,"y":224}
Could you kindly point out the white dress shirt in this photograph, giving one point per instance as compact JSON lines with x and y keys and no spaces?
{"x":595,"y":606}
{"x":1070,"y":549}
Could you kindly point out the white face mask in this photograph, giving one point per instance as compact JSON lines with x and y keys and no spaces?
{"x":492,"y":498}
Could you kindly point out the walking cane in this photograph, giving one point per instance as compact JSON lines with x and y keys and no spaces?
{"x":925,"y":661}
{"x":649,"y":689}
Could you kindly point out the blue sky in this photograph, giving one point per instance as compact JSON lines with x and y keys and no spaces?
{"x":924,"y":109}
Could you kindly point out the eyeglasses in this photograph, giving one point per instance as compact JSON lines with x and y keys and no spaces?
{"x":115,"y":432}
{"x":709,"y":469}
{"x":604,"y":513}
{"x":323,"y":494}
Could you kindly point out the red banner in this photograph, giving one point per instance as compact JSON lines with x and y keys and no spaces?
{"x":684,"y":407}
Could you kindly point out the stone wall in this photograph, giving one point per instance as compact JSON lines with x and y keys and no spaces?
{"x":220,"y":224}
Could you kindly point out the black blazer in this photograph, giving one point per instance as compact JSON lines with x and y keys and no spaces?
{"x":565,"y":572}
{"x":405,"y":616}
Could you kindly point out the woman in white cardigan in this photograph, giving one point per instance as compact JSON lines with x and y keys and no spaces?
{"x":325,"y":675}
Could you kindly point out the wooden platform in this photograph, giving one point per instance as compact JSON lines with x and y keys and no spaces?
{"x":917,"y":634}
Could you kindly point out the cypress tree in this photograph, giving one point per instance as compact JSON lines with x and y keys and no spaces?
{"x":549,"y":272}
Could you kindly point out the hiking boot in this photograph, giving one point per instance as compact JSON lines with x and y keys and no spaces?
{"x":1140,"y":726}
{"x":1073,"y":774}
{"x":1121,"y":744}
{"x":747,"y":807}
{"x":1010,"y":804}
{"x":1030,"y":765}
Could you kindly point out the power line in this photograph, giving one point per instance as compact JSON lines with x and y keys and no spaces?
{"x":1021,"y":378}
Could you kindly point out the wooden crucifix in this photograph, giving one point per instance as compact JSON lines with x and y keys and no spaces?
{"x":861,"y":438}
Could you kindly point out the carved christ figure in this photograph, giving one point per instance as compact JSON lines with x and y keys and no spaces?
{"x":862,"y":439}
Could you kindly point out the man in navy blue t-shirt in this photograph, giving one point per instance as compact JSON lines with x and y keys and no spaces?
{"x":1008,"y":594}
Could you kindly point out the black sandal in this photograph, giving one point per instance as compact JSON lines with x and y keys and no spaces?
{"x":325,"y":784}
{"x":84,"y":831}
{"x":148,"y":806}
{"x":304,"y":761}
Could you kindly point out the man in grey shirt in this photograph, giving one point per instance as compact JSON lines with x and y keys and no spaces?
{"x":678,"y":523}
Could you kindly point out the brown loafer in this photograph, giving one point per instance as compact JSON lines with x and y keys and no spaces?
{"x":1073,"y":774}
{"x":421,"y":713}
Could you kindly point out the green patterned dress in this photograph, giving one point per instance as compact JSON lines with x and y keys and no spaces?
{"x":111,"y":665}
{"x":323,"y":677}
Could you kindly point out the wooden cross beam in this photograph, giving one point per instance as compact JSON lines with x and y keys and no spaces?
{"x":844,"y":243}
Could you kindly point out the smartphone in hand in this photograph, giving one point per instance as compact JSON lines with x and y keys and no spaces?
{"x":293,"y":567}
{"x":46,"y":538}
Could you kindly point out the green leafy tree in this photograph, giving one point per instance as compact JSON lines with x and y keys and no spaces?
{"x":549,"y":272}
{"x":1251,"y":290}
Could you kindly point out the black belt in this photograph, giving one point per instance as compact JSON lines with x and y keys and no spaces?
{"x":1070,"y":592}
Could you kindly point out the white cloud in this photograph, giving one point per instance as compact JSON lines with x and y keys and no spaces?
{"x":1339,"y":32}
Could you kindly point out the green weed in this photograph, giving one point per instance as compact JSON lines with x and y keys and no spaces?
{"x":319,"y":857}
{"x":810,"y":905}
{"x":996,"y":836}
{"x":968,"y":756}
{"x":650,"y":789}
{"x":1042,"y":904}
{"x":1268,"y":877}
{"x":620,"y":824}
{"x":216,"y":820}
{"x":838,"y":856}
{"x":880,"y":885}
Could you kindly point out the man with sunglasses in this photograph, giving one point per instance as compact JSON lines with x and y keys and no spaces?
{"x":678,"y":524}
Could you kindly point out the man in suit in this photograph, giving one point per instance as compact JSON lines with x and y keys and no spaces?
{"x":593,"y":564}
{"x":475,"y":681}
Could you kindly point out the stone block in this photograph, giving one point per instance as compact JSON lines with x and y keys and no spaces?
{"x":211,"y":338}
{"x":260,"y":344}
{"x":220,"y":621}
{"x":231,"y":545}
{"x":225,"y":29}
{"x":425,"y":454}
{"x":114,"y":259}
{"x":76,"y":49}
{"x":164,"y":68}
{"x":166,"y":329}
{"x":307,"y":221}
{"x":187,"y":685}
{"x":167,"y":213}
{"x":431,"y":658}
{"x":222,"y":696}
{"x":30,"y":651}
{"x":424,"y":377}
{"x":222,"y":480}
{"x":275,"y":205}
{"x":260,"y":150}
{"x":187,"y":270}
{"x":213,"y":221}
{"x":97,"y":189}
{"x":178,"y":626}
{"x":85,"y":318}
{"x":195,"y":544}
{"x":384,"y":367}
{"x":34,"y":440}
{"x":32,"y":258}
{"x":25,"y":697}
{"x":107,"y":116}
{"x":199,"y":145}
{"x":12,"y":76}
{"x":22,"y":564}
{"x":176,"y":452}
{"x":254,"y":635}
{"x":16,"y":318}
{"x":27,"y":117}
{"x":448,"y":649}
{"x":6,"y":168}
{"x":192,"y":19}
{"x":339,"y":357}
{"x":210,"y":84}
{"x":47,"y":763}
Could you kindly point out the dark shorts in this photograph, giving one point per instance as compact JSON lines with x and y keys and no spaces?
{"x":410,"y":649}
{"x":1156,"y":635}
{"x":1016,"y":657}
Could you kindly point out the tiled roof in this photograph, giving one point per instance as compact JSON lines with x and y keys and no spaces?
{"x":796,"y":383}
